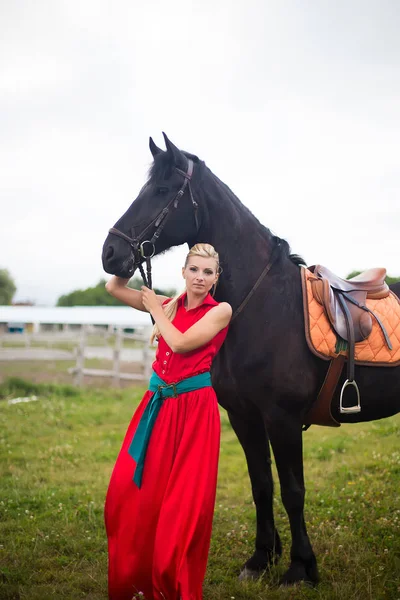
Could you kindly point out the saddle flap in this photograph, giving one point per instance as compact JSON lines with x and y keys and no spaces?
{"x":326,"y":295}
{"x":361,"y":321}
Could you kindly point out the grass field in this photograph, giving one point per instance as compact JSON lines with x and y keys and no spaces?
{"x":57,"y":454}
{"x":56,"y":371}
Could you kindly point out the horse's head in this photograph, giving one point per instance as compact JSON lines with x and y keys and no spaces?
{"x":163,"y":215}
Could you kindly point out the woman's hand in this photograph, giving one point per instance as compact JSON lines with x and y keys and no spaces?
{"x":149,"y":299}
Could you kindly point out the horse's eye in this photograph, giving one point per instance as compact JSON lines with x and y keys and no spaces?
{"x":162,"y":190}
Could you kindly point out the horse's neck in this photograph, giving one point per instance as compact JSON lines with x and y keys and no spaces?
{"x":244,"y":246}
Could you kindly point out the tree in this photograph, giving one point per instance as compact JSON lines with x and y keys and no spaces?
{"x":7,"y":287}
{"x":98,"y":295}
{"x":92,"y":296}
{"x":136,"y":284}
{"x":389,"y":280}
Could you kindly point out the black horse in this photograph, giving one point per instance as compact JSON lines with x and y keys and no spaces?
{"x":395,"y":287}
{"x":265,"y":375}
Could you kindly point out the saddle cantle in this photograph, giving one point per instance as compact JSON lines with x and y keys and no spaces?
{"x":339,"y":317}
{"x":372,"y":281}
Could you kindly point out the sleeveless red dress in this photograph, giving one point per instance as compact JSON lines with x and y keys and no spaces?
{"x":159,"y":534}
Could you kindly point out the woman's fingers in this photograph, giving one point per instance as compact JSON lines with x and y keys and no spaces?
{"x":149,"y":298}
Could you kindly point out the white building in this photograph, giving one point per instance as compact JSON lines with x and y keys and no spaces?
{"x":43,"y":318}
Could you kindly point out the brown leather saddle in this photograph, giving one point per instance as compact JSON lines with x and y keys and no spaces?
{"x":344,"y":304}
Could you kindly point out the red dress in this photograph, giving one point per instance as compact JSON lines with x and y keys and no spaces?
{"x":159,"y":534}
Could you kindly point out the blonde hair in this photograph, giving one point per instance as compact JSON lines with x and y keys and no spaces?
{"x":203,"y":250}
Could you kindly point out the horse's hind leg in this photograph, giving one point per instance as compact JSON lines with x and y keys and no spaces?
{"x":287,"y":444}
{"x":252,"y":435}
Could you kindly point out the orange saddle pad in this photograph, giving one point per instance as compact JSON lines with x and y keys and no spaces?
{"x":373,"y":351}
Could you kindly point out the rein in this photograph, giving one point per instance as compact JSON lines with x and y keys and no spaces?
{"x":139,"y":244}
{"x":257,"y":283}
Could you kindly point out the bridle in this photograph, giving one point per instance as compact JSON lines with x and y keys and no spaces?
{"x":145,"y":249}
{"x":139,"y":248}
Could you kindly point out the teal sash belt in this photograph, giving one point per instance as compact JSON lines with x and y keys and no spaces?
{"x":162,"y":390}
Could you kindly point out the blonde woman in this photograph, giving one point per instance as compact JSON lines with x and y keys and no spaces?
{"x":160,"y":501}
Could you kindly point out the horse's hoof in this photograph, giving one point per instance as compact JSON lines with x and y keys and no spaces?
{"x":301,"y":573}
{"x":247,"y":574}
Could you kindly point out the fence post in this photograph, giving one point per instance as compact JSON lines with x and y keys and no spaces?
{"x":117,"y":356}
{"x":80,"y":357}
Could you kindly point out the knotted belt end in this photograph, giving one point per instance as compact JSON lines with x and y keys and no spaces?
{"x":172,"y":386}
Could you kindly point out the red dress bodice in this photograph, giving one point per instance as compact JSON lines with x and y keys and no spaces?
{"x":173,"y":367}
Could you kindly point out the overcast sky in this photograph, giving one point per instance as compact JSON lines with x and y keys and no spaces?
{"x":294,"y":104}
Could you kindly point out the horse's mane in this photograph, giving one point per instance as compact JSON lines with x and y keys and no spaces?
{"x":277,"y":241}
{"x":162,"y":168}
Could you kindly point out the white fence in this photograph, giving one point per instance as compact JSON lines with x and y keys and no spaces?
{"x":147,"y":357}
{"x":47,"y":339}
{"x":81,"y":350}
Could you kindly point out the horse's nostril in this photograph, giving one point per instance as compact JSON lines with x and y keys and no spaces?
{"x":110,"y":252}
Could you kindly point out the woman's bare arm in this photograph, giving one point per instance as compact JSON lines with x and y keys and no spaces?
{"x":198,"y":334}
{"x":117,"y":287}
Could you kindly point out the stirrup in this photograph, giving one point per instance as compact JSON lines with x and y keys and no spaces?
{"x":350,"y":409}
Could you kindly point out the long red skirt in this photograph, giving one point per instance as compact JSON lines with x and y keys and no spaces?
{"x":159,"y":535}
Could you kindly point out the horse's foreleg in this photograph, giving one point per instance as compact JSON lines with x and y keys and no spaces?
{"x":253,"y":437}
{"x":287,"y":445}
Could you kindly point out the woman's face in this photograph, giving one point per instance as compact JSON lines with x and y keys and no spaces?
{"x":200,"y":274}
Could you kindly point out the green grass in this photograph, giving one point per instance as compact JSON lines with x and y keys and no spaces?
{"x":56,"y":457}
{"x":57,"y":371}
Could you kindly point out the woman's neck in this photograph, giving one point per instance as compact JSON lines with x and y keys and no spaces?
{"x":193,"y":301}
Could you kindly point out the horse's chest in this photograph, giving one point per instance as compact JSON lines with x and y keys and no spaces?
{"x":229,"y":374}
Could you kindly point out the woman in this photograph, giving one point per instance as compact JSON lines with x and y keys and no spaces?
{"x":160,"y":501}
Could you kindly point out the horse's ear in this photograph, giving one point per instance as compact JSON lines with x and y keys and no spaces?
{"x":174,"y":152}
{"x":153,"y":148}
